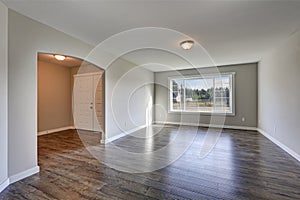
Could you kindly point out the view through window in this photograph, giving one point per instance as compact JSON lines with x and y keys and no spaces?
{"x":207,"y":94}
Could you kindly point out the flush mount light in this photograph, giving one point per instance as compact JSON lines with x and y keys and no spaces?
{"x":60,"y":57}
{"x":187,"y":44}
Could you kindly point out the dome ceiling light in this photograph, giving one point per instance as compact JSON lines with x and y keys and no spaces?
{"x":60,"y":57}
{"x":187,"y":44}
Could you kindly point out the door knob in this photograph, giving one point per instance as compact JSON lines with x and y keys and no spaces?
{"x":91,"y":107}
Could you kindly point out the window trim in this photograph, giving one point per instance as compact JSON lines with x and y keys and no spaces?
{"x":203,"y":76}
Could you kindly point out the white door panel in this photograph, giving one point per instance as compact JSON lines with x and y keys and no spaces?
{"x":83,"y":102}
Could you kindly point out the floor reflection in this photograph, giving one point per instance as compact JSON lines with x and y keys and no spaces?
{"x":242,"y":165}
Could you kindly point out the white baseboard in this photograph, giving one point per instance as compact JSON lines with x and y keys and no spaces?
{"x":24,"y":174}
{"x":4,"y":185}
{"x":102,"y":141}
{"x":56,"y":130}
{"x":208,"y":125}
{"x":19,"y":176}
{"x":281,"y":145}
{"x":108,"y":140}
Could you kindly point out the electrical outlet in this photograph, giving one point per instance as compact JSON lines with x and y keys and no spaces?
{"x":243,"y":119}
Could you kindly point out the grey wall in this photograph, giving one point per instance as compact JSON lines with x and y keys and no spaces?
{"x":129,"y":92}
{"x":279,"y":93}
{"x":26,"y":38}
{"x":245,"y":97}
{"x":3,"y":93}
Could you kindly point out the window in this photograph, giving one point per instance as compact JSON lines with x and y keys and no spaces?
{"x":206,"y":94}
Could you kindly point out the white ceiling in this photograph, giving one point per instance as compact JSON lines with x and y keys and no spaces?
{"x":231,"y":31}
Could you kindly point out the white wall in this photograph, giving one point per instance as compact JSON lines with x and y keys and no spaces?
{"x":3,"y":93}
{"x":26,"y":38}
{"x":128,"y":97}
{"x":279,"y":93}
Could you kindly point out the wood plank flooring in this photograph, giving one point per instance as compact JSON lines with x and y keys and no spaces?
{"x":243,"y":165}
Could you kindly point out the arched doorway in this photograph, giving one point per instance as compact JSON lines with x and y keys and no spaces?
{"x":70,"y":95}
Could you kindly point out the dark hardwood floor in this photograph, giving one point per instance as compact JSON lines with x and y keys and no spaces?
{"x":243,"y":165}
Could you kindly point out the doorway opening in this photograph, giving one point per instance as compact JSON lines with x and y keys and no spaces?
{"x":70,"y":96}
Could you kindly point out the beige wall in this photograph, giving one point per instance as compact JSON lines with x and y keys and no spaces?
{"x":279,"y":94}
{"x":245,"y":97}
{"x":99,"y":103}
{"x":3,"y":94}
{"x":55,"y":91}
{"x":54,"y":96}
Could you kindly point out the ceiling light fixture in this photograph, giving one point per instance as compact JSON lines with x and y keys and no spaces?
{"x":60,"y":57}
{"x":187,"y":44}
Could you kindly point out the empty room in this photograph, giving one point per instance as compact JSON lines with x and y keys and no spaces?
{"x":149,"y":99}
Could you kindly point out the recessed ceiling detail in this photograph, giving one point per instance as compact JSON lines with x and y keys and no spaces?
{"x":67,"y":62}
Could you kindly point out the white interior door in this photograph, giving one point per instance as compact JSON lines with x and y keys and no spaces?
{"x":83,"y":102}
{"x":87,"y":102}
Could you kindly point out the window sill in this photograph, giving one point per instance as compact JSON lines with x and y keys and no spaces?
{"x":201,"y":113}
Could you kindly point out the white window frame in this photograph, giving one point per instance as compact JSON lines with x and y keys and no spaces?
{"x":203,"y":76}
